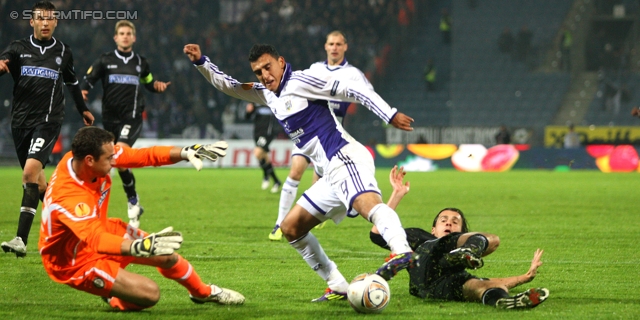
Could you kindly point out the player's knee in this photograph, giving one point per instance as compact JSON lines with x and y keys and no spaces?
{"x":169,"y":261}
{"x":31,"y":174}
{"x":296,"y":173}
{"x":153,"y":295}
{"x":494,"y":242}
{"x":290,"y":229}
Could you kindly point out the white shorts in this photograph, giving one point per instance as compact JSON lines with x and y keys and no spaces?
{"x":351,"y":172}
{"x":317,"y":168}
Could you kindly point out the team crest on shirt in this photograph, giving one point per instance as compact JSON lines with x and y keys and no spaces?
{"x":82,"y":209}
{"x":137,"y":68}
{"x":288,"y":105}
{"x":58,"y":60}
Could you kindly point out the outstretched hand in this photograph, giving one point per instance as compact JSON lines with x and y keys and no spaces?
{"x":197,"y":152}
{"x":402,"y":122}
{"x":535,"y":264}
{"x":396,"y":177}
{"x":193,"y":52}
{"x":635,"y":112}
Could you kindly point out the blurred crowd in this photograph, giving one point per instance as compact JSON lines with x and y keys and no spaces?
{"x":226,"y":30}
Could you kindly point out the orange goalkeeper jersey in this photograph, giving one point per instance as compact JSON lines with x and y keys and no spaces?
{"x":75,"y":229}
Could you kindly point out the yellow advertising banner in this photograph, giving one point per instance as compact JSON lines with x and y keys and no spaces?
{"x":554,"y":135}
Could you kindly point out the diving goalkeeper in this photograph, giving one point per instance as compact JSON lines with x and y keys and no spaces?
{"x":84,"y":249}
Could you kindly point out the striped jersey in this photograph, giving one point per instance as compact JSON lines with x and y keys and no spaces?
{"x":343,"y":71}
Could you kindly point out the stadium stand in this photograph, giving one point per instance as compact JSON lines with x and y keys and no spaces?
{"x":476,"y":85}
{"x":226,"y":30}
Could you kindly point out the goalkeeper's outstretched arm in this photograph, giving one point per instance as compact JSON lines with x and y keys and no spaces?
{"x":126,"y":157}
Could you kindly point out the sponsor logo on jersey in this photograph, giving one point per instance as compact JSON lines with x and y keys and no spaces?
{"x":112,"y":66}
{"x":124,"y":79}
{"x":25,"y":55}
{"x":295,"y":136}
{"x":39,"y":72}
{"x":58,"y":60}
{"x":82,"y":209}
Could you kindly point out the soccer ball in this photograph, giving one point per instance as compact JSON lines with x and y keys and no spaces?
{"x":368,"y":293}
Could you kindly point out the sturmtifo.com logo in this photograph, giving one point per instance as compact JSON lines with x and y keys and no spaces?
{"x":80,"y":15}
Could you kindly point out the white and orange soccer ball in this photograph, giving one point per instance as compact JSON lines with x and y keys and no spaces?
{"x":368,"y":293}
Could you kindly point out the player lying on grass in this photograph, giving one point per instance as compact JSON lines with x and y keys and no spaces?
{"x":84,"y":249}
{"x":448,"y":250}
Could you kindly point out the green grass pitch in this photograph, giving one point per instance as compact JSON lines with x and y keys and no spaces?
{"x":586,"y":221}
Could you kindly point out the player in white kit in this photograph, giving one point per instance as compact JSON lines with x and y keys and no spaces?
{"x":336,"y":65}
{"x":299,"y":100}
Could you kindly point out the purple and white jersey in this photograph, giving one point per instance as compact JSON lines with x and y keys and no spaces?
{"x":301,"y":105}
{"x":343,"y":71}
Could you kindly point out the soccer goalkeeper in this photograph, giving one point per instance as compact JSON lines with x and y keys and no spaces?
{"x":84,"y":249}
{"x":448,"y":250}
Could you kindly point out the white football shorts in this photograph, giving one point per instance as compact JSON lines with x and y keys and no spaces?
{"x":351,"y":172}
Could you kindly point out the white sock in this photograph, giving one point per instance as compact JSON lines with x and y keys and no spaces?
{"x":336,"y":281}
{"x":287,"y":197}
{"x":311,"y":251}
{"x":389,"y":226}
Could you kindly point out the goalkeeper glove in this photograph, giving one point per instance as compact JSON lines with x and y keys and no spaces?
{"x":161,"y":243}
{"x":196,"y":152}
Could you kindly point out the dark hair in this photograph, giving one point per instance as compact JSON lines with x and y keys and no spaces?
{"x":260,"y":49}
{"x":89,"y":141}
{"x":465,"y":226}
{"x":43,"y":5}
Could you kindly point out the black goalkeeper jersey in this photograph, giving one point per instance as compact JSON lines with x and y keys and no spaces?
{"x":38,"y":69}
{"x":123,"y":75}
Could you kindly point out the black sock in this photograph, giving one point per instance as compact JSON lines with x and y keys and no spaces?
{"x":272,"y":173}
{"x":478,"y":243}
{"x":264,"y":165}
{"x":128,"y":183}
{"x":491,"y":296}
{"x":30,"y":198}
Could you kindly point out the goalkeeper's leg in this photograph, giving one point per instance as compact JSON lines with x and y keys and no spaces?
{"x":184,"y":273}
{"x":179,"y":269}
